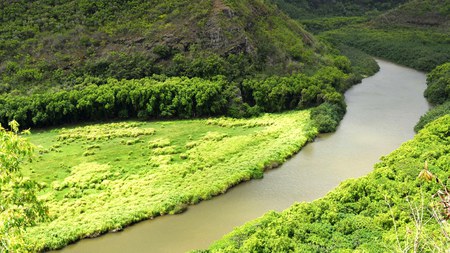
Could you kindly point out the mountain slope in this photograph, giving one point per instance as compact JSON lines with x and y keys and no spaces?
{"x":47,"y":43}
{"x":414,"y":34}
{"x":418,"y":13}
{"x":306,"y":9}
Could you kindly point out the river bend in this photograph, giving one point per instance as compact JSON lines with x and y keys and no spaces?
{"x":381,"y":114}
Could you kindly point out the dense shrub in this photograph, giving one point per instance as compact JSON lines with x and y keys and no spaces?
{"x":362,"y":64}
{"x":433,"y":114}
{"x":327,"y":116}
{"x":437,"y":93}
{"x":438,"y":82}
{"x":274,"y":94}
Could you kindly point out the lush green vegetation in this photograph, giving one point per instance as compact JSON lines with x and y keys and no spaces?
{"x":306,"y":9}
{"x":438,"y":84}
{"x":419,"y":48}
{"x":53,"y":44}
{"x":391,"y":209}
{"x":19,"y":206}
{"x":123,"y":60}
{"x":438,"y":94}
{"x":415,"y":34}
{"x":362,"y":64}
{"x":321,"y":24}
{"x":180,"y":97}
{"x":434,"y":113}
{"x":152,"y":168}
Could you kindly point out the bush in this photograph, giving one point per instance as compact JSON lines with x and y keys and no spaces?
{"x":438,"y":82}
{"x":433,"y":114}
{"x":326,"y":117}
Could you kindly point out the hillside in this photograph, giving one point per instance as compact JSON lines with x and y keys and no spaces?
{"x":414,"y":34}
{"x":307,"y":9}
{"x":77,"y":61}
{"x":59,"y":43}
{"x":417,"y":13}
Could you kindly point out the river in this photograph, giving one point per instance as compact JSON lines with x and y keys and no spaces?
{"x":381,"y":114}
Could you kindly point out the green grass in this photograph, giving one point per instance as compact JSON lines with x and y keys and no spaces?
{"x":371,"y":214}
{"x":102,"y":177}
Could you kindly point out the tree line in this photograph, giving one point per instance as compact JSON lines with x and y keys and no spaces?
{"x":174,"y":97}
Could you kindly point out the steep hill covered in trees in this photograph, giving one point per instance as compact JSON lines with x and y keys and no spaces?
{"x":48,"y":43}
{"x":71,"y":61}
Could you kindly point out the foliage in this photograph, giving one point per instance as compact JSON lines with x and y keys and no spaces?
{"x":419,"y":48}
{"x":306,"y":9}
{"x":437,"y":93}
{"x":322,"y":24}
{"x":145,"y":98}
{"x":373,"y":213}
{"x":50,"y":44}
{"x":180,"y":163}
{"x":179,"y":97}
{"x":363,"y":65}
{"x":438,"y":84}
{"x":432,"y":114}
{"x":19,"y":206}
{"x":274,"y":94}
{"x":327,"y":116}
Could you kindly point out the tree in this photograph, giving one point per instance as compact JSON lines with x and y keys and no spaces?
{"x":19,"y":206}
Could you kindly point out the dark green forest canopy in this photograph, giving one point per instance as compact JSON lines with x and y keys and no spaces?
{"x":57,"y":43}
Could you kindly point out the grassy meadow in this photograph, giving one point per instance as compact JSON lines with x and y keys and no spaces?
{"x":102,"y":177}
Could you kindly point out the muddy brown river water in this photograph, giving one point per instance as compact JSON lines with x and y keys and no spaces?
{"x":381,"y":114}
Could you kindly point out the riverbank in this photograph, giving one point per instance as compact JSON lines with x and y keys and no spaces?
{"x":112,"y":175}
{"x":377,"y":121}
{"x":391,"y":209}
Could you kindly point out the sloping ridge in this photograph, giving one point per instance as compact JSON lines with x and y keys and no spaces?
{"x":418,"y":13}
{"x":134,"y":39}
